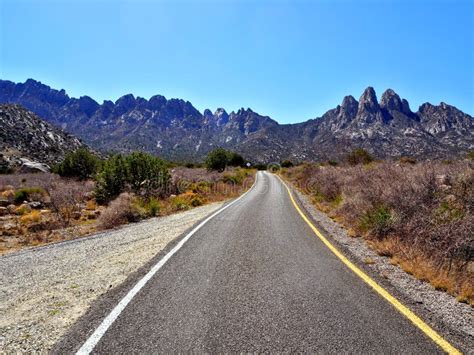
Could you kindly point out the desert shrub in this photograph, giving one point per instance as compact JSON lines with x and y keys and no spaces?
{"x":218,"y":159}
{"x":23,"y":209}
{"x":124,"y":209}
{"x":5,"y":168}
{"x":67,"y":197}
{"x":152,"y":206}
{"x":112,"y":179}
{"x":359,"y":156}
{"x":147,"y":174}
{"x":235,"y":159}
{"x":333,"y":163}
{"x":80,"y":164}
{"x":197,"y":201}
{"x":287,"y":164}
{"x":376,"y":221}
{"x":138,"y":172}
{"x":180,"y":203}
{"x":235,"y":177}
{"x":260,"y":166}
{"x":31,"y":217}
{"x":29,"y":193}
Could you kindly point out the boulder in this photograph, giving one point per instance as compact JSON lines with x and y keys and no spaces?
{"x":29,"y":166}
{"x":4,"y":211}
{"x":4,"y":202}
{"x":35,"y":205}
{"x":11,"y":208}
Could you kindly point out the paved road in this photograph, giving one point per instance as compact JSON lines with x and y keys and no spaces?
{"x":253,"y":279}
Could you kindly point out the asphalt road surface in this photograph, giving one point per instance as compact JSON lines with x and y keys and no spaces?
{"x":255,"y":278}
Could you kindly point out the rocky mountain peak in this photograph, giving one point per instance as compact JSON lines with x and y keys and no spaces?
{"x":391,"y":101}
{"x":125,"y":100}
{"x":124,"y":104}
{"x":88,"y":105}
{"x":156,"y":102}
{"x":368,"y":101}
{"x":221,"y":116}
{"x":349,"y":105}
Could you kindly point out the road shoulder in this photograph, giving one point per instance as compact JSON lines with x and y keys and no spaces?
{"x":45,"y":290}
{"x":449,"y":317}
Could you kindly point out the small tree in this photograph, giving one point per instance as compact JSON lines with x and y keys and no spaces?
{"x":235,"y":159}
{"x":218,"y":159}
{"x":80,"y":164}
{"x":286,"y":164}
{"x":359,"y":156}
{"x":112,"y":179}
{"x":147,"y":173}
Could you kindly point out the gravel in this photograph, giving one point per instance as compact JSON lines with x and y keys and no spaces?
{"x":435,"y":306}
{"x":44,"y":290}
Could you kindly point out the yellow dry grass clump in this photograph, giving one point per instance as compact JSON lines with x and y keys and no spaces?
{"x":32,"y":217}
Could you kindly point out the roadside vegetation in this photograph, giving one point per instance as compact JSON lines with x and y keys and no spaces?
{"x":419,"y":214}
{"x":85,"y":194}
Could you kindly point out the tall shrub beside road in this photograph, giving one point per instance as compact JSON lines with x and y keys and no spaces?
{"x":80,"y":164}
{"x":140,"y":173}
{"x":220,"y":158}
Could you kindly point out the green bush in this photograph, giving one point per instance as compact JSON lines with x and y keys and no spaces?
{"x":197,"y":201}
{"x":220,"y":158}
{"x":80,"y":164}
{"x":359,"y":156}
{"x":24,"y":194}
{"x":141,"y":173}
{"x":217,"y":159}
{"x":236,"y":178}
{"x":376,"y":221}
{"x":147,"y":174}
{"x":180,"y":203}
{"x":287,"y":164}
{"x":152,"y":206}
{"x":235,"y":159}
{"x":112,"y":179}
{"x":260,"y":166}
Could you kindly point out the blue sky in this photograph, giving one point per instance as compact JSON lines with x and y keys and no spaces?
{"x":291,"y":60}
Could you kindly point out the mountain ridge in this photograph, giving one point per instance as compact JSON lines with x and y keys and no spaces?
{"x":175,"y":129}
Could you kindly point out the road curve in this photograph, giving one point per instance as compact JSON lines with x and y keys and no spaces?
{"x":255,"y":278}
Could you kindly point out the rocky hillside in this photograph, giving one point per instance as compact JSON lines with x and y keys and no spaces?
{"x":174,"y":129}
{"x":28,"y":142}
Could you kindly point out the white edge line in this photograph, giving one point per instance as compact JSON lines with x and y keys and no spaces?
{"x":92,"y":341}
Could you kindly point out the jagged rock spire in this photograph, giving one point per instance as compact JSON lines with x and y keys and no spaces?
{"x":368,"y":102}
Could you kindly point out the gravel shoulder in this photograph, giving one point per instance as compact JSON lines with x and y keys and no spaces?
{"x":439,"y":309}
{"x":44,"y":290}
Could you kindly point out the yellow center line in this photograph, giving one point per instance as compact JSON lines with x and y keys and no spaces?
{"x":425,"y":328}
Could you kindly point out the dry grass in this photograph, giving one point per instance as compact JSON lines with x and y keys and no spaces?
{"x":123,"y":209}
{"x":32,"y":217}
{"x":419,"y":214}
